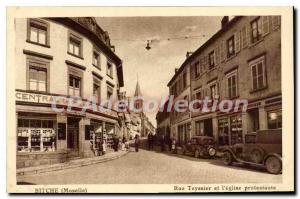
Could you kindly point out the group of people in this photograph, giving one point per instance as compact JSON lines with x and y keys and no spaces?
{"x":161,"y":141}
{"x":101,"y":145}
{"x":119,"y":143}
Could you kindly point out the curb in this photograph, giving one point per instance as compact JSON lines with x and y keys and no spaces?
{"x":68,"y":165}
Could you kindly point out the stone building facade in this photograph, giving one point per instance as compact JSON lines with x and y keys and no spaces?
{"x":64,"y":59}
{"x":241,"y":61}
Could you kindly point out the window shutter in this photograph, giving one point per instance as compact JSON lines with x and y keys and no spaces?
{"x":265,"y":25}
{"x":275,"y":22}
{"x":237,"y":42}
{"x":217,"y":55}
{"x":244,"y":37}
{"x":248,"y":35}
{"x":223,"y":51}
{"x":205,"y":63}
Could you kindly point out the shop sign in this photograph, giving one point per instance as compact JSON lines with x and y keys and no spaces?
{"x":61,"y":101}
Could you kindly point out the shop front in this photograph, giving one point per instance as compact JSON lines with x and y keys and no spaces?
{"x":230,"y":130}
{"x":48,"y":137}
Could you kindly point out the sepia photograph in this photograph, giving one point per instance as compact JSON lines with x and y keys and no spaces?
{"x":150,"y":100}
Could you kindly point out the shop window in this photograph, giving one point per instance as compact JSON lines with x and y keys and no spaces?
{"x":258,"y":73}
{"x":275,"y":119}
{"x":38,"y":32}
{"x":200,"y":128}
{"x":223,"y":126}
{"x":36,"y":135}
{"x":75,"y":45}
{"x":236,"y":129}
{"x":96,"y":59}
{"x":74,"y":85}
{"x":256,"y":30}
{"x":109,"y":70}
{"x":37,"y":78}
{"x":211,"y":60}
{"x":232,"y":85}
{"x":230,"y":47}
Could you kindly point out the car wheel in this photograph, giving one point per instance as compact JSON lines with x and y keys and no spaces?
{"x":273,"y":165}
{"x":197,"y":154}
{"x":227,"y":158}
{"x":212,"y":152}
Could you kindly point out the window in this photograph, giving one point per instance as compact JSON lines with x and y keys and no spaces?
{"x":75,"y":45}
{"x":275,"y":119}
{"x":197,"y":69}
{"x":230,"y":47}
{"x":36,"y":135}
{"x":223,"y":127}
{"x":96,"y":59}
{"x":236,"y":129}
{"x":232,"y":85}
{"x":258,"y":73}
{"x":213,"y":91}
{"x":256,"y":30}
{"x":200,"y":128}
{"x":38,"y":32}
{"x":96,"y":90}
{"x":74,"y":85}
{"x":109,"y":70}
{"x":37,"y":78}
{"x":109,"y":92}
{"x":211,"y":60}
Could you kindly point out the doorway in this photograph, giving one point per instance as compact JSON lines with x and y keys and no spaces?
{"x":73,"y":136}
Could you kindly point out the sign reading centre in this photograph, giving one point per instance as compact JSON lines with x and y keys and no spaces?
{"x":60,"y":100}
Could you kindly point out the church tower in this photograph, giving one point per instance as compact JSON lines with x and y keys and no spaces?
{"x":139,"y":102}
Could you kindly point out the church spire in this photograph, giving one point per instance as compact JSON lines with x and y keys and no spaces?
{"x":137,"y":88}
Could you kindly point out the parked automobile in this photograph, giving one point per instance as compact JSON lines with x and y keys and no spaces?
{"x":200,"y":146}
{"x":263,"y":148}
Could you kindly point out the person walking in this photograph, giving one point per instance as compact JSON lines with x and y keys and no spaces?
{"x":136,"y":143}
{"x":162,"y":143}
{"x":150,"y":141}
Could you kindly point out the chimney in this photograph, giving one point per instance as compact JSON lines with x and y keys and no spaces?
{"x":188,"y":53}
{"x":224,"y":21}
{"x":176,"y":70}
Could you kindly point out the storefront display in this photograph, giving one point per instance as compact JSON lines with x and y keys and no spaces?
{"x":223,"y":126}
{"x":36,"y":135}
{"x":236,"y":129}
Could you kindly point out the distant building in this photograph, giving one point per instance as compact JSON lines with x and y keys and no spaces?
{"x":137,"y":122}
{"x":163,"y":122}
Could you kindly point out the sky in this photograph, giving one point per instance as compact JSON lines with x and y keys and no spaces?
{"x":170,"y":39}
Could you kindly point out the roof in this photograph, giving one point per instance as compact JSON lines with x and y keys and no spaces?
{"x":201,"y":48}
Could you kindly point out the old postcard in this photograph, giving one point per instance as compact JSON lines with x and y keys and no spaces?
{"x":150,"y":99}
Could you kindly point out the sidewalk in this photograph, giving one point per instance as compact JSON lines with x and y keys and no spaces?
{"x":70,"y":164}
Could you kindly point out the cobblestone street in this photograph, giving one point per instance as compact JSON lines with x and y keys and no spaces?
{"x":147,"y":167}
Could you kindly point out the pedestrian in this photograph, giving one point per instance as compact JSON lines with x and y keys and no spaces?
{"x":136,"y":143}
{"x":173,"y":145}
{"x":150,"y":140}
{"x":104,"y":146}
{"x":162,"y":143}
{"x":116,"y":143}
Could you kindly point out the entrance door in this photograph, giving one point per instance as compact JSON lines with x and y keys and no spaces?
{"x":73,"y":136}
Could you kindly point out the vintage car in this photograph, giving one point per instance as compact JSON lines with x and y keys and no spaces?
{"x":263,"y":148}
{"x":200,"y":146}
